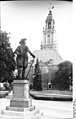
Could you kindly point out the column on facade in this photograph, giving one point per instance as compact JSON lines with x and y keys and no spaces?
{"x":48,"y":38}
{"x":44,"y":37}
{"x":46,"y":25}
{"x":52,"y":31}
{"x":52,"y":37}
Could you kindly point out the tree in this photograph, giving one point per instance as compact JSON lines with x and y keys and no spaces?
{"x":7,"y":62}
{"x":63,"y":77}
{"x":37,"y":81}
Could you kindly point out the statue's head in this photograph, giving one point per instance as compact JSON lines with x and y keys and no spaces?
{"x":22,"y":41}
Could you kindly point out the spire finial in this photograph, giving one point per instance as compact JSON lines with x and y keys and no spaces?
{"x":51,"y":7}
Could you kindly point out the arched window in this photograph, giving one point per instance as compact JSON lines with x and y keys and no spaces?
{"x":49,"y":25}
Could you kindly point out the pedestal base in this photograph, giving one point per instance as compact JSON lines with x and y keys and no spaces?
{"x":20,"y":109}
{"x":20,"y":113}
{"x":21,"y":104}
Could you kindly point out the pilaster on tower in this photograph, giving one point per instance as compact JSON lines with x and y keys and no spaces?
{"x":48,"y":33}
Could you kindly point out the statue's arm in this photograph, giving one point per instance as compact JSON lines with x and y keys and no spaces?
{"x":31,"y":53}
{"x":17,"y":51}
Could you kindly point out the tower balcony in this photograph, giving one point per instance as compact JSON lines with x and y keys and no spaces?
{"x":47,"y":46}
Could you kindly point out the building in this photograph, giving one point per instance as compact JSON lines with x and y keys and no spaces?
{"x":48,"y":56}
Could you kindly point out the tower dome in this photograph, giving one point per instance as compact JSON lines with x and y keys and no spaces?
{"x":49,"y":17}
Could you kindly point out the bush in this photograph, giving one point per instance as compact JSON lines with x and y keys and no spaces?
{"x":7,"y":62}
{"x":63,"y":77}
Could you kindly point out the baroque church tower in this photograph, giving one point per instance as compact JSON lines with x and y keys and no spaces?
{"x":48,"y":56}
{"x":48,"y":33}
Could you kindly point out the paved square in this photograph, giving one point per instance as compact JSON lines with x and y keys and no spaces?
{"x":50,"y":109}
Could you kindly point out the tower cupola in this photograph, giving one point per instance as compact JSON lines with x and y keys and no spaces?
{"x":48,"y":32}
{"x":49,"y":17}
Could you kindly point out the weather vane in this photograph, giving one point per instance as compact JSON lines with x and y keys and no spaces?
{"x":51,"y":7}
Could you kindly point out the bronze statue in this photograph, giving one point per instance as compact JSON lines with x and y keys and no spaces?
{"x":22,"y":57}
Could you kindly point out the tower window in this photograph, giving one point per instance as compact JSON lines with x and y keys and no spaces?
{"x":49,"y":36}
{"x":49,"y":24}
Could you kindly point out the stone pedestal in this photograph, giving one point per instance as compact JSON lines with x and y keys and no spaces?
{"x":21,"y":96}
{"x":21,"y":105}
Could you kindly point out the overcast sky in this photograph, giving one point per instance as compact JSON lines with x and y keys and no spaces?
{"x":27,"y":19}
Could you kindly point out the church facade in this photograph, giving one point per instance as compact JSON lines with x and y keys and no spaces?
{"x":48,"y":56}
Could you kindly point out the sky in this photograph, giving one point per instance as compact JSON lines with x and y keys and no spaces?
{"x":26,"y":19}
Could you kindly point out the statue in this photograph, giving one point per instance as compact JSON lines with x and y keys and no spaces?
{"x":22,"y":57}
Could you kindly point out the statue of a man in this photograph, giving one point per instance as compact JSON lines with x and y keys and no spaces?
{"x":22,"y":57}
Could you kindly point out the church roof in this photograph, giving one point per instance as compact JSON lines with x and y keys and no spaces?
{"x":46,"y":55}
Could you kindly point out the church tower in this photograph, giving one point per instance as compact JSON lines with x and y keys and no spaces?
{"x":48,"y":56}
{"x":48,"y":33}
